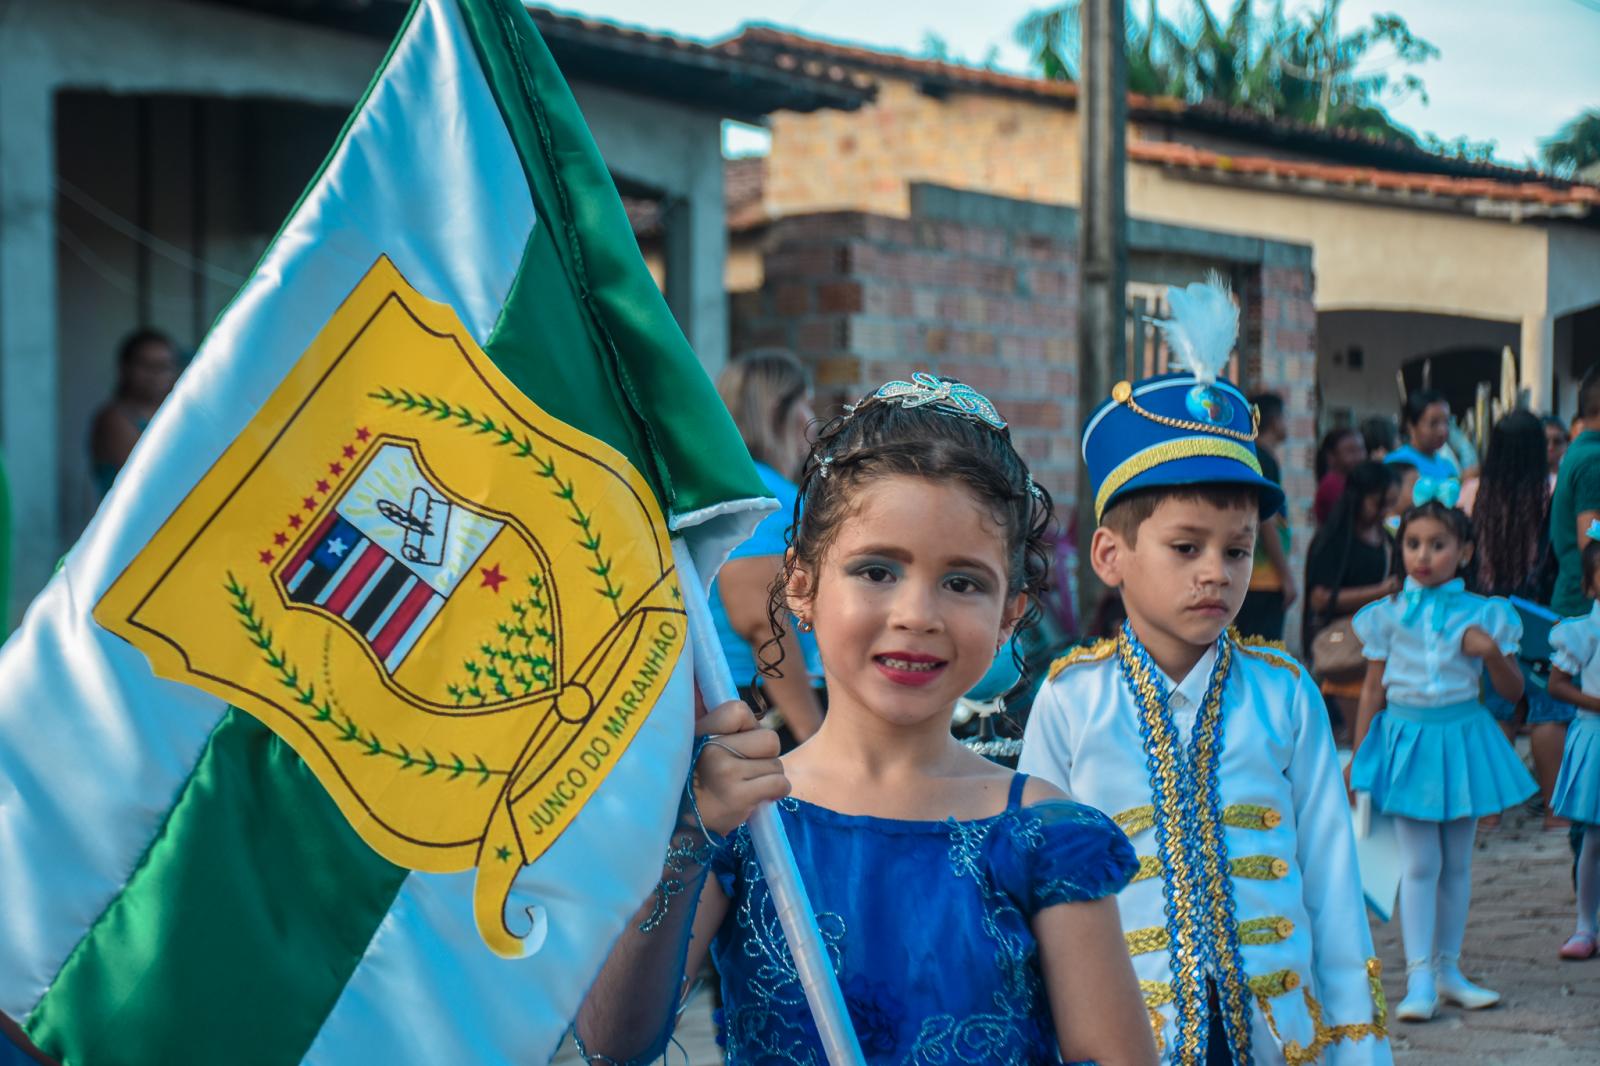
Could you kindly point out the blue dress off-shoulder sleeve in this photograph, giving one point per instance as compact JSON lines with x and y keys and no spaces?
{"x":927,"y":924}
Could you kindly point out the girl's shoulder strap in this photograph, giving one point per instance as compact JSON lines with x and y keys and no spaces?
{"x":1019,"y":781}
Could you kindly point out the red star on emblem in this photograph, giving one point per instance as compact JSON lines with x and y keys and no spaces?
{"x":309,"y":504}
{"x":335,"y":469}
{"x":363,"y":433}
{"x":492,"y":577}
{"x":294,"y":521}
{"x":280,"y":539}
{"x":322,"y":486}
{"x":266,"y":557}
{"x":349,"y":451}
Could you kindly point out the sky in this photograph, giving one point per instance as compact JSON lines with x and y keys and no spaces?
{"x":1510,"y":71}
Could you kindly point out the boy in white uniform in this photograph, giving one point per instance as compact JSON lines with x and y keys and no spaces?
{"x":1246,"y":920}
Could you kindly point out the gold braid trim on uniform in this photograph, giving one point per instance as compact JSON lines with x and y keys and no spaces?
{"x":1180,"y":883}
{"x":1268,"y":651}
{"x":1323,"y":1034}
{"x":1273,"y":929}
{"x":1250,"y":816}
{"x":1208,"y":812}
{"x":1146,"y":940}
{"x":1157,"y":1023}
{"x":1156,"y":993}
{"x":1259,"y":868}
{"x":1276,"y":983}
{"x":1135,"y":819}
{"x":1086,"y":653}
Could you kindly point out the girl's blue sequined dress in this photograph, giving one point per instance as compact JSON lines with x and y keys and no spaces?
{"x":927,"y":924}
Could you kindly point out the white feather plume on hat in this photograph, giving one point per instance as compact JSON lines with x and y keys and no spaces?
{"x":1203,"y":326}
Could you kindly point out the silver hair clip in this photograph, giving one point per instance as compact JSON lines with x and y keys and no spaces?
{"x":824,"y":465}
{"x":1034,"y":490}
{"x":950,"y":397}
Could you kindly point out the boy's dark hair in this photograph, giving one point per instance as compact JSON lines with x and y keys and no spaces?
{"x":885,"y":439}
{"x":1418,"y":402}
{"x":1591,"y":567}
{"x":1589,"y":394}
{"x":1126,"y":515}
{"x":1453,"y":519}
{"x":1378,"y":434}
{"x":1555,"y":423}
{"x":1270,"y":404}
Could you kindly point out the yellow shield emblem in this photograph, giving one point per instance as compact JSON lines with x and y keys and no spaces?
{"x":456,"y":609}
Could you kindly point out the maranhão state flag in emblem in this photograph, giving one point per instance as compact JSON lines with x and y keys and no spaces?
{"x":353,"y":728}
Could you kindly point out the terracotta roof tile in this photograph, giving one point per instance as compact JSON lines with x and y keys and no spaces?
{"x":792,"y":50}
{"x":1551,"y":193}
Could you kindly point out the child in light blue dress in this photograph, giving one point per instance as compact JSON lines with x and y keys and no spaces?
{"x":1427,"y":750}
{"x":1575,"y":678}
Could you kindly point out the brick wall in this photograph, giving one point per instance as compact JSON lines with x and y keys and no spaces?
{"x":986,"y":290}
{"x":866,"y":298}
{"x":1280,"y":337}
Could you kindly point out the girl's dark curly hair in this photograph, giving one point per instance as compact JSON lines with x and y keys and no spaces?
{"x":880,"y":439}
{"x":1512,"y":503}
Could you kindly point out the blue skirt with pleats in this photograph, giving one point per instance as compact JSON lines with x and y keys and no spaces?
{"x":1437,"y":764}
{"x":1577,"y":794}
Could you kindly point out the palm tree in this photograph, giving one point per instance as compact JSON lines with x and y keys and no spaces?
{"x":1575,"y":150}
{"x":1299,"y":67}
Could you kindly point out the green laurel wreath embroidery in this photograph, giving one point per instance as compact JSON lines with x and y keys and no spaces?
{"x":531,"y":667}
{"x":322,"y":711}
{"x":459,"y":416}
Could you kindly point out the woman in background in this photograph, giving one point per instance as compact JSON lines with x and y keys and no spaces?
{"x":1341,"y":449}
{"x":147,"y":367}
{"x":1510,"y":508}
{"x":769,"y":395}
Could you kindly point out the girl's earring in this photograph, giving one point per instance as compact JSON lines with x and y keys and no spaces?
{"x":804,"y":625}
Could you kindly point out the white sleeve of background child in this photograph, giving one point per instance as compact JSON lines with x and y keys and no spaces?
{"x":1341,"y":942}
{"x":1046,"y":752}
{"x":1571,"y":645}
{"x":1504,"y":624}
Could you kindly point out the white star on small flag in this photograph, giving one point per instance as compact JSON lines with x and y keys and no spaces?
{"x":337,"y":546}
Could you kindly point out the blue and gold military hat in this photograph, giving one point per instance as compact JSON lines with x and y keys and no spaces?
{"x":1186,"y":428}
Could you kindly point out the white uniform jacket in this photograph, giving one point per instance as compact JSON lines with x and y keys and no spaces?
{"x":1288,"y":950}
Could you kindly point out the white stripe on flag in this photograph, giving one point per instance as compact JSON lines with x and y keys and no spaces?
{"x":300,"y":575}
{"x":332,"y":584}
{"x":408,"y":181}
{"x":413,"y":633}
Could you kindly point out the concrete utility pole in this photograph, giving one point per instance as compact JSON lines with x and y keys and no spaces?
{"x":1102,"y":237}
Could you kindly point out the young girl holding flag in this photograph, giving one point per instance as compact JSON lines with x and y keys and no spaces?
{"x":967,"y":910}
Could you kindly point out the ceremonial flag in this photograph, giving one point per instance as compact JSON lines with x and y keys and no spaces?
{"x":353,"y":728}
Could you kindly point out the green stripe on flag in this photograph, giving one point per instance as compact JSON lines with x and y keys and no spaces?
{"x":642,"y":364}
{"x":236,"y":934}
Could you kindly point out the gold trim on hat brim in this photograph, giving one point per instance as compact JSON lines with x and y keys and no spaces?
{"x":1166,"y":452}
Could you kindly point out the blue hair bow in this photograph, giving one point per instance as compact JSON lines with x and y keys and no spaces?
{"x":1443,"y":490}
{"x":1593,"y":532}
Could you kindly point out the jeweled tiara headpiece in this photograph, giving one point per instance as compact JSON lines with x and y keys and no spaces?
{"x":949,"y":397}
{"x":945,"y":396}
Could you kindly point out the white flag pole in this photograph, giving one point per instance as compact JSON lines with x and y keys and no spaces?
{"x":789,"y":899}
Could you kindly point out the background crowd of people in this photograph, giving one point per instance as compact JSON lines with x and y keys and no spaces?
{"x":1530,"y":497}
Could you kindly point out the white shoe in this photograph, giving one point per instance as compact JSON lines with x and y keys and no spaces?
{"x":1422,"y":1000}
{"x":1455,"y":988}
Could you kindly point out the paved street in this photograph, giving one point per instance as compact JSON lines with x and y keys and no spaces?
{"x":1522,"y":909}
